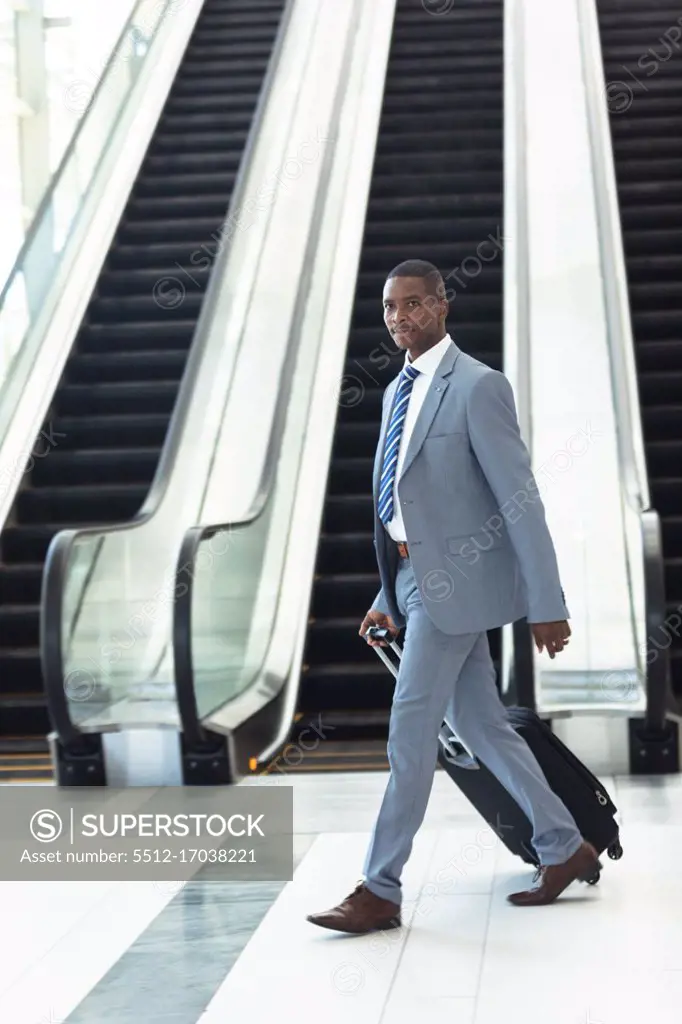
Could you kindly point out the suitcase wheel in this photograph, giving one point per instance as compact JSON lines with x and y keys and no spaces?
{"x":594,"y":878}
{"x":615,"y":851}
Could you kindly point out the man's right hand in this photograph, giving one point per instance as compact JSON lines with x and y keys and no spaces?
{"x":374,"y":618}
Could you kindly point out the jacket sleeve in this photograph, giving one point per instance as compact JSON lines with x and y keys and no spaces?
{"x":504,"y":459}
{"x":379,"y":603}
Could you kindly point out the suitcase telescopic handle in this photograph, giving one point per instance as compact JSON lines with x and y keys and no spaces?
{"x":462,"y":757}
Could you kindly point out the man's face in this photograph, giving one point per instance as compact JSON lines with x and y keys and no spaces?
{"x":414,"y":317}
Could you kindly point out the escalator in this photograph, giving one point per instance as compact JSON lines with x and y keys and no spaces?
{"x":436,"y":194}
{"x":643,"y":73}
{"x":101,"y":441}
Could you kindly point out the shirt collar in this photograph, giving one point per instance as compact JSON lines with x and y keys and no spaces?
{"x":428,"y":362}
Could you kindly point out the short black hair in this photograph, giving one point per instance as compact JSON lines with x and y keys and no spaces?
{"x":423,"y":269}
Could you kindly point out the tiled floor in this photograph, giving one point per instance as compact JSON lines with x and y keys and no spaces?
{"x":136,"y":953}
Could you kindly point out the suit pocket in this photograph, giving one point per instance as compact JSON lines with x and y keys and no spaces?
{"x":447,"y":456}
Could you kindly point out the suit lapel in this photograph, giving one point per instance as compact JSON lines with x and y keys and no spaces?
{"x":432,"y":400}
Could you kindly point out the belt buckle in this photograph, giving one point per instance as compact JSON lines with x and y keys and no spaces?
{"x":402,"y":549}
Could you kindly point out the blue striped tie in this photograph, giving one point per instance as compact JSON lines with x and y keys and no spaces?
{"x":392,"y":444}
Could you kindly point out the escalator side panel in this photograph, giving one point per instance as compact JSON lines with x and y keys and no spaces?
{"x":113,"y":404}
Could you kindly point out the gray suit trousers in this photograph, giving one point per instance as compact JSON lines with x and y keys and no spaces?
{"x":451,"y":678}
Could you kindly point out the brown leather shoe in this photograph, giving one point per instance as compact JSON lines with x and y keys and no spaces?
{"x":554,"y":878}
{"x":360,"y":912}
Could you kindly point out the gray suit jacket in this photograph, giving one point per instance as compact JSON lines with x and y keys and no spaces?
{"x":479,"y":543}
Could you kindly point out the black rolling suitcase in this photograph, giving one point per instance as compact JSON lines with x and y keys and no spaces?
{"x":584,"y":796}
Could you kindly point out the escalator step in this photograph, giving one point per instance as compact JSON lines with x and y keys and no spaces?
{"x":23,"y":667}
{"x":655,"y":268}
{"x":342,"y":509}
{"x":638,"y":147}
{"x":450,"y":48}
{"x":430,"y":206}
{"x":664,"y":192}
{"x":170,"y":293}
{"x":401,"y":185}
{"x":657,"y":295}
{"x":666,"y":494}
{"x":661,"y":455}
{"x":474,"y":66}
{"x":114,"y":431}
{"x":673,"y":579}
{"x":337,"y":640}
{"x":153,"y":283}
{"x":127,"y":366}
{"x":486,"y":157}
{"x":638,"y":170}
{"x":650,"y":217}
{"x":29,"y":544}
{"x":350,"y":476}
{"x":655,"y":326}
{"x":181,"y":206}
{"x":344,"y":595}
{"x":20,"y":584}
{"x":140,"y":336}
{"x":181,"y":229}
{"x":184,"y":184}
{"x":660,"y":386}
{"x":331,"y":687}
{"x":22,"y":623}
{"x":350,"y":552}
{"x":196,"y":84}
{"x":208,"y":142}
{"x":426,"y":231}
{"x":442,"y":84}
{"x":78,"y":503}
{"x":449,"y":255}
{"x":217,"y":120}
{"x":356,"y":439}
{"x":179,"y":164}
{"x":94,"y":466}
{"x":227,"y":51}
{"x":129,"y":397}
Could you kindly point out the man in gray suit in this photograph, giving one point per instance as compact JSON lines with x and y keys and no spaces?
{"x":463,"y":547}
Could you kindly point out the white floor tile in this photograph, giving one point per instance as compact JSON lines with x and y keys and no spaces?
{"x":291,"y":963}
{"x":624,"y":995}
{"x":57,"y":907}
{"x":641,"y":800}
{"x":83,"y":950}
{"x":430,"y":1010}
{"x":443,"y":951}
{"x":463,"y":862}
{"x":612,"y":951}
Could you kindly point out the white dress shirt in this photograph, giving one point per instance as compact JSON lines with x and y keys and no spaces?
{"x":427,"y":364}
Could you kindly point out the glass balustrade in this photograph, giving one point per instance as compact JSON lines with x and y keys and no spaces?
{"x":61,"y":93}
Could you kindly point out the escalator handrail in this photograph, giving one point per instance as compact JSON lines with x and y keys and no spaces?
{"x":59,"y":553}
{"x":630,"y":433}
{"x":516,"y":346}
{"x":192,"y":728}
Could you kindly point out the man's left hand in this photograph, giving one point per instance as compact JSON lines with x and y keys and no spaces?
{"x":550,"y":636}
